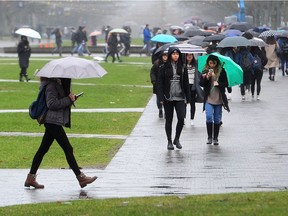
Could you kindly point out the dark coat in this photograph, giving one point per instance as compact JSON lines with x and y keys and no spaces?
{"x":223,"y":83}
{"x":165,"y":76}
{"x":24,"y":53}
{"x":58,"y":103}
{"x":154,"y":74}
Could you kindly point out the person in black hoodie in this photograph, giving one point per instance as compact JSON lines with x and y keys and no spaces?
{"x":24,"y":53}
{"x":173,"y":92}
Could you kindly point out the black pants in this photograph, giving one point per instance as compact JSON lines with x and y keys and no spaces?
{"x":54,"y":132}
{"x":180,"y":108}
{"x":256,"y":77}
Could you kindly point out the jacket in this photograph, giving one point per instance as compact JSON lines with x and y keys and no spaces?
{"x":165,"y":75}
{"x":223,"y":83}
{"x":24,"y":53}
{"x":59,"y":105}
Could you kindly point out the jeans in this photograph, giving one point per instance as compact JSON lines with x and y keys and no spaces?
{"x":213,"y":113}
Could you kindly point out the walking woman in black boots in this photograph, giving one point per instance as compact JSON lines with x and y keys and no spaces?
{"x":173,"y":92}
{"x":24,"y":53}
{"x":214,"y":80}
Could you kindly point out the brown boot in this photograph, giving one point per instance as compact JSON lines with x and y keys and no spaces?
{"x":84,"y":180}
{"x":31,"y":181}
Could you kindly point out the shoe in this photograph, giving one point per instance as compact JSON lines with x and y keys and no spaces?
{"x":160,"y":113}
{"x":286,"y":71}
{"x":229,"y":96}
{"x":258,"y":98}
{"x":243,"y":98}
{"x":170,"y":145}
{"x":192,"y":122}
{"x":215,"y":141}
{"x":177,"y":144}
{"x":209,"y":141}
{"x":272,"y":78}
{"x":84,"y":180}
{"x":31,"y":181}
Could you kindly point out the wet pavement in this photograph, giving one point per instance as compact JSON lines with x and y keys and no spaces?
{"x":252,"y":156}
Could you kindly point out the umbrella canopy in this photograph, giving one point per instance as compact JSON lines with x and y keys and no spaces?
{"x":95,"y":33}
{"x":181,"y":37}
{"x":269,"y":33}
{"x":283,"y":33}
{"x":231,"y":33}
{"x":194,"y":32}
{"x":197,"y":40}
{"x":234,"y":71}
{"x":28,"y":32}
{"x":236,"y":41}
{"x":164,"y":38}
{"x":71,"y":67}
{"x":241,"y":26}
{"x":189,"y":48}
{"x":216,"y":37}
{"x":118,"y":30}
{"x":257,"y":42}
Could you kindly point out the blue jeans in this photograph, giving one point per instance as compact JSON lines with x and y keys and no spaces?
{"x":213,"y":113}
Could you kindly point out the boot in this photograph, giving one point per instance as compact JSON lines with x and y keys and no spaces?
{"x":209,"y":126}
{"x":216,"y":133}
{"x":170,"y":145}
{"x":27,"y":78}
{"x":31,"y":181}
{"x":21,"y":78}
{"x":160,"y":113}
{"x":177,"y":143}
{"x":84,"y":180}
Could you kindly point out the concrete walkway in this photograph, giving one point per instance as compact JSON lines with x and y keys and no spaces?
{"x":252,"y":156}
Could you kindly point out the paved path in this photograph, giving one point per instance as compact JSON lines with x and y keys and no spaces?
{"x":252,"y":156}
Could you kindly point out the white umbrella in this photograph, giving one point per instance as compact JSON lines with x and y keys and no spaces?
{"x":28,"y":32}
{"x":118,"y":30}
{"x":189,"y":48}
{"x":71,"y":67}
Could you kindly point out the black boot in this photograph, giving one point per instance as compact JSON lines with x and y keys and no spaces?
{"x":177,"y":143}
{"x":27,"y":78}
{"x":170,"y":145}
{"x":209,"y":127}
{"x":21,"y":78}
{"x":160,"y":113}
{"x":216,"y":133}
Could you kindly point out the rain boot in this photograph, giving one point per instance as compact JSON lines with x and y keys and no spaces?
{"x":31,"y":181}
{"x":216,"y":133}
{"x":27,"y":78}
{"x":209,"y":127}
{"x":84,"y":180}
{"x":170,"y":145}
{"x":177,"y":143}
{"x":21,"y":78}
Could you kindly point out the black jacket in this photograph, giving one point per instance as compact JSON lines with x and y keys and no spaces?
{"x":24,"y":53}
{"x":223,"y":83}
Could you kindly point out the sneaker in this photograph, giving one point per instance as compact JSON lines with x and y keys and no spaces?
{"x":215,"y":141}
{"x":209,"y":141}
{"x":258,"y":98}
{"x":243,"y":98}
{"x":229,"y":96}
{"x":192,"y":122}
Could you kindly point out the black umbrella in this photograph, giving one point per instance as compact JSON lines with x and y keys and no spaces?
{"x":181,"y":37}
{"x":197,"y":40}
{"x":216,"y":37}
{"x":241,"y":26}
{"x":195,"y":32}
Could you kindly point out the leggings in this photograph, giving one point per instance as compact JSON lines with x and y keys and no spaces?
{"x":256,"y":77}
{"x":53,"y":132}
{"x":180,"y":108}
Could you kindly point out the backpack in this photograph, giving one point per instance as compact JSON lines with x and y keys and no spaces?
{"x":246,"y":63}
{"x":285,"y":48}
{"x":257,"y":64}
{"x":38,"y":108}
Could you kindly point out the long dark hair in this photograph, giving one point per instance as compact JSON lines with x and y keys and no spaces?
{"x":66,"y":83}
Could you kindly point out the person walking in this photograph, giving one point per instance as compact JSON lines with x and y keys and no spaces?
{"x":59,"y":100}
{"x":196,"y":91}
{"x":214,"y":81}
{"x":260,"y":60}
{"x":283,"y":54}
{"x":173,"y":92}
{"x":58,"y":41}
{"x":113,"y":47}
{"x":146,"y":40}
{"x":154,"y":76}
{"x":24,"y":53}
{"x":273,"y":60}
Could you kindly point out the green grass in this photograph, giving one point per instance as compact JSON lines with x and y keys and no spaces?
{"x":266,"y":203}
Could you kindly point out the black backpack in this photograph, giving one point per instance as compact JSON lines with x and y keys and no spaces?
{"x":246,"y":63}
{"x":38,"y":108}
{"x":257,"y":64}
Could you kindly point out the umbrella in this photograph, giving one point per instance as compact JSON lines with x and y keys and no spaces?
{"x":189,"y":48}
{"x":241,"y":26}
{"x":283,"y":33}
{"x":164,"y":38}
{"x":216,"y":37}
{"x":235,"y":41}
{"x":118,"y":30}
{"x":164,"y":48}
{"x":269,"y":33}
{"x":28,"y":32}
{"x":95,"y":33}
{"x":197,"y":40}
{"x":234,"y":71}
{"x":231,"y":33}
{"x":257,"y":42}
{"x":71,"y":67}
{"x":181,"y":37}
{"x":194,"y":32}
{"x":174,"y":27}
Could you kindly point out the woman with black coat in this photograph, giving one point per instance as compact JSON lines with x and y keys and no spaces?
{"x":173,"y":92}
{"x":24,"y":53}
{"x":214,"y":80}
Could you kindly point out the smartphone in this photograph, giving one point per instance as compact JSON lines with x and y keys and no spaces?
{"x":80,"y":94}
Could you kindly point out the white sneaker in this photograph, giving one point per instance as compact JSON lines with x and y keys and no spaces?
{"x":258,"y":98}
{"x":243,"y":98}
{"x":229,"y":96}
{"x":192,"y":122}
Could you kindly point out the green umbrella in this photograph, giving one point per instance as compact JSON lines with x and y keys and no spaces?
{"x":233,"y":70}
